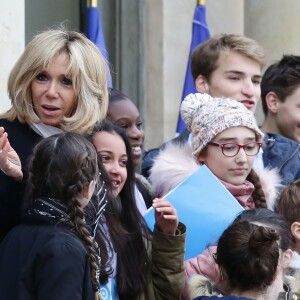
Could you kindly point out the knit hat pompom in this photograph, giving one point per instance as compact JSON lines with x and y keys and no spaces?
{"x":205,"y":117}
{"x":189,"y":106}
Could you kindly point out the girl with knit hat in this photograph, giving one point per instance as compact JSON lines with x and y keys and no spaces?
{"x":226,"y":138}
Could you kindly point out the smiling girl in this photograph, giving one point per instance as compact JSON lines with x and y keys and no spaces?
{"x":124,"y":113}
{"x":141,"y":264}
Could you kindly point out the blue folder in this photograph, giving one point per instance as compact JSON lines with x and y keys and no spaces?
{"x":205,"y":206}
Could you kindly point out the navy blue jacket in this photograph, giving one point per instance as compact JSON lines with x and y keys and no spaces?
{"x":150,"y":155}
{"x":22,"y":138}
{"x":284,"y":154}
{"x":42,"y":260}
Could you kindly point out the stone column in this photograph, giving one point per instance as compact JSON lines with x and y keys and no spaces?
{"x":274,"y":24}
{"x":12,"y":40}
{"x":168,"y":29}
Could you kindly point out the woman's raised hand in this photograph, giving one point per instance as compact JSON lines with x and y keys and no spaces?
{"x":10,"y":163}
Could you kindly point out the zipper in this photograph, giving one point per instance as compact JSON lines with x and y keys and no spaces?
{"x":297,"y":150}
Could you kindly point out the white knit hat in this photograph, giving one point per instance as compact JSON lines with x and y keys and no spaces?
{"x":205,"y":117}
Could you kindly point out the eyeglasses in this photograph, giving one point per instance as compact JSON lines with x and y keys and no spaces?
{"x":232,"y":149}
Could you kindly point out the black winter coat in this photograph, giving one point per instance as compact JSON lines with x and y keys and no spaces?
{"x":40,"y":260}
{"x":22,"y":138}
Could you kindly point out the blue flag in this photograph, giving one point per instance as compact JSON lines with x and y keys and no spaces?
{"x":200,"y":34}
{"x":95,"y":34}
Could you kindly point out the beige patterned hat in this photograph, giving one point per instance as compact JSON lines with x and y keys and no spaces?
{"x":205,"y":117}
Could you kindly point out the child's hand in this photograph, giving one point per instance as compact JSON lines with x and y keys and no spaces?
{"x":10,"y":162}
{"x":165,"y":216}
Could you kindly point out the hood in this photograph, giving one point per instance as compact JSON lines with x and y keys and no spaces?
{"x":175,"y":163}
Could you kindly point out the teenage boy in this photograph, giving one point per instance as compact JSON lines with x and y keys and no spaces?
{"x":226,"y":65}
{"x":230,"y":66}
{"x":280,"y":94}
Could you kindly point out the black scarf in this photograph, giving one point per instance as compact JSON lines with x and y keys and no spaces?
{"x":50,"y":209}
{"x":53,"y":211}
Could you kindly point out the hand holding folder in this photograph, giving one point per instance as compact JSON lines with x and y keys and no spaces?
{"x":205,"y":206}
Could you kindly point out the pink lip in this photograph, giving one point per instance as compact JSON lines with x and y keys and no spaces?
{"x":248,"y":103}
{"x":115,"y":182}
{"x":49,"y":110}
{"x":239,"y":171}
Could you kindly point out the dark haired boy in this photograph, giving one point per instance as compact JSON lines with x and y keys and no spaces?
{"x":280,"y":94}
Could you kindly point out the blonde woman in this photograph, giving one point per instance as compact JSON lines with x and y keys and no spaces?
{"x":57,"y":85}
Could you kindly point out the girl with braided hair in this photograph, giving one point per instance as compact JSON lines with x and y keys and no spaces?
{"x":51,"y":254}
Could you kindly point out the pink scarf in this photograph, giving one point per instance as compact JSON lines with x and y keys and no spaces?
{"x":242,"y":193}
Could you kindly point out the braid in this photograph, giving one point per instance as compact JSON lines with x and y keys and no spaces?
{"x":258,"y":195}
{"x":79,"y":225}
{"x":62,"y":167}
{"x":81,"y":230}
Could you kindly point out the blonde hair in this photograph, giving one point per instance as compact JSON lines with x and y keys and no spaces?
{"x":87,"y":69}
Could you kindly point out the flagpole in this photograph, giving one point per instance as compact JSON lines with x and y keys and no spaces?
{"x":92,"y":3}
{"x":200,"y":2}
